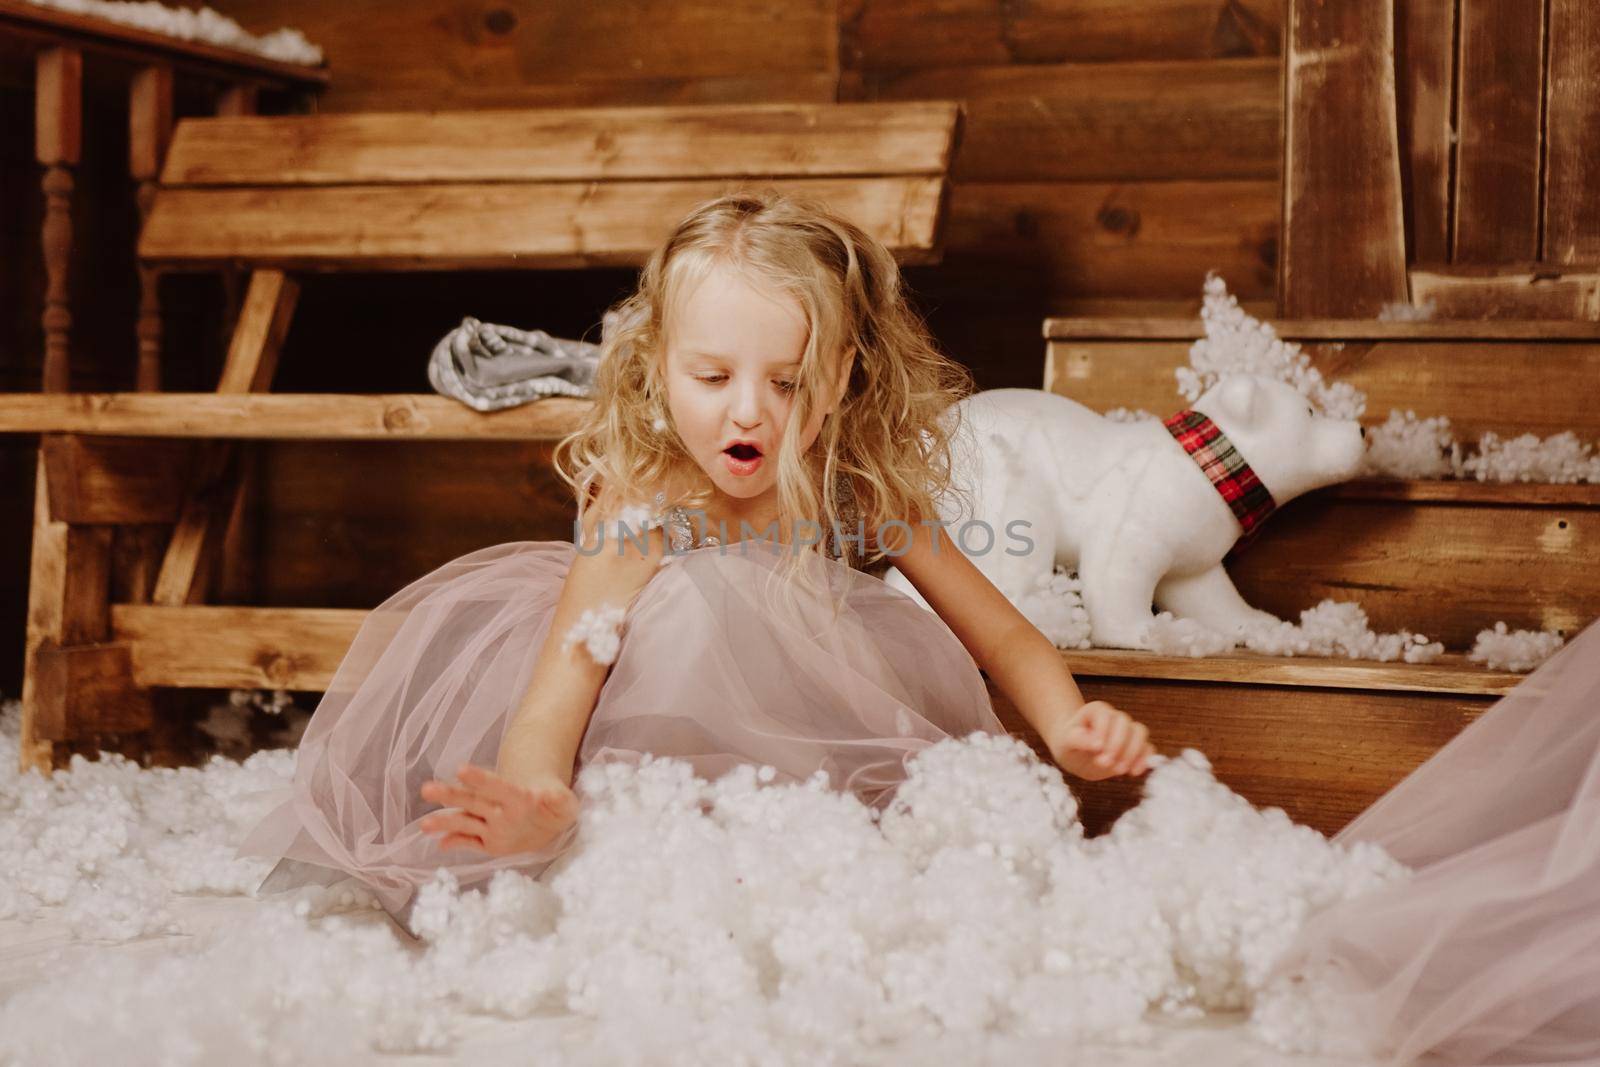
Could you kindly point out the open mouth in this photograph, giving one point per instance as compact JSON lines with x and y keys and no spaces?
{"x":743,"y":452}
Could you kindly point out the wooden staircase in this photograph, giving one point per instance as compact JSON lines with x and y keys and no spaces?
{"x":1323,"y":738}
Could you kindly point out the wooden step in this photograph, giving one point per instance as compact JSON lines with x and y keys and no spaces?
{"x":297,"y":648}
{"x":1509,"y":377}
{"x":1451,"y":673}
{"x":1509,"y":291}
{"x":286,"y":416}
{"x":1446,"y":558}
{"x":1097,"y":328}
{"x":1320,"y":738}
{"x":1323,"y":739}
{"x":1443,"y":557}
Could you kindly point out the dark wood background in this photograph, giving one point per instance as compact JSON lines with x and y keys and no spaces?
{"x":1114,"y":152}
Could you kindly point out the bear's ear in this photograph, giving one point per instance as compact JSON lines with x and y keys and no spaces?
{"x":1236,"y":398}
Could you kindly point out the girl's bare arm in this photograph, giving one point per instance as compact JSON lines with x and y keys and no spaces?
{"x":550,"y":721}
{"x":1091,"y":739}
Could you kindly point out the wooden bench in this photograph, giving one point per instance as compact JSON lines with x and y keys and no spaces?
{"x":282,"y":196}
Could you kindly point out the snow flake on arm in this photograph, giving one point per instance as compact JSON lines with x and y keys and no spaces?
{"x":600,"y":631}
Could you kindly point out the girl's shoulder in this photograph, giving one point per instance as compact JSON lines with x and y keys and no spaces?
{"x":635,"y":516}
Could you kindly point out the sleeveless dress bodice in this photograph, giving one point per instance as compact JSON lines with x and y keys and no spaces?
{"x":682,"y":529}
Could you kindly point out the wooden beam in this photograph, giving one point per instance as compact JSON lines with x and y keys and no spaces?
{"x":1343,"y":249}
{"x":1188,"y":329}
{"x":537,"y":145}
{"x":1425,"y":50}
{"x":1507,"y":386}
{"x":1501,"y":92}
{"x":88,"y":690}
{"x":149,"y":131}
{"x":251,"y":362}
{"x":1572,"y":135}
{"x":1508,"y":291}
{"x":235,"y":101}
{"x":501,"y":225}
{"x":68,"y":582}
{"x":201,"y":646}
{"x":58,"y":143}
{"x":113,"y":481}
{"x":299,"y":648}
{"x":258,"y":338}
{"x":310,"y":416}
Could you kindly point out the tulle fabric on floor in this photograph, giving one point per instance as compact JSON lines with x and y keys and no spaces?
{"x":1491,"y":954}
{"x":714,"y":667}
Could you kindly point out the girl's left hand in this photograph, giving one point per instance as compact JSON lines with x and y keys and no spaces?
{"x":1099,"y":741}
{"x":497,"y":815}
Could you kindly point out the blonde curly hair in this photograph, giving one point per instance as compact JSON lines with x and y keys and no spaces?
{"x":886,"y":448}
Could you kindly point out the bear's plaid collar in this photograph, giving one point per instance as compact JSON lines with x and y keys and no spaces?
{"x":1223,"y":464}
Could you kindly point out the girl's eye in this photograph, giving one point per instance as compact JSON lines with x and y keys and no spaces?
{"x":713,"y":379}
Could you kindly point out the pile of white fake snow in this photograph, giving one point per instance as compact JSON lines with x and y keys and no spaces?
{"x":1501,"y":648}
{"x":1332,"y":628}
{"x":1404,"y":446}
{"x":771,"y":922}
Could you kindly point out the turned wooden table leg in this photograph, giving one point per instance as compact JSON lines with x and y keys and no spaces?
{"x":149,"y":133}
{"x":137,"y":551}
{"x":58,"y":138}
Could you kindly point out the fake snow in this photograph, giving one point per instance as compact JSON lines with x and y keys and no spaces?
{"x":1331,"y":629}
{"x":194,"y":24}
{"x":1504,"y":649}
{"x":1404,"y":446}
{"x":600,"y":631}
{"x":1055,"y":607}
{"x":779,"y":923}
{"x":1399,"y":311}
{"x":1238,"y":343}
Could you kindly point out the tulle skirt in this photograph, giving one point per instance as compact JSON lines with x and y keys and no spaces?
{"x":714,"y":667}
{"x":1491,"y":953}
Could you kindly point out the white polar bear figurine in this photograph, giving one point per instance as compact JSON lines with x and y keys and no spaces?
{"x":1123,"y":503}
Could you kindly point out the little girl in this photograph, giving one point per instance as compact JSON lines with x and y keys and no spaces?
{"x":769,"y":426}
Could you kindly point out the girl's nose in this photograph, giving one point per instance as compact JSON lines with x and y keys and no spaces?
{"x":747,"y":408}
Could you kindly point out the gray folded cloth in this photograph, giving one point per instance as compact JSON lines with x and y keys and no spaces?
{"x":490,"y":367}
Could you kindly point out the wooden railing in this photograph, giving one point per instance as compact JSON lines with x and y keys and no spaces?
{"x":59,"y":44}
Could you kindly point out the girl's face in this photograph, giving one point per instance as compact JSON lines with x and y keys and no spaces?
{"x":733,"y":357}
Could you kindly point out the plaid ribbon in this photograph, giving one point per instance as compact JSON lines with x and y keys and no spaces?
{"x":1230,"y":475}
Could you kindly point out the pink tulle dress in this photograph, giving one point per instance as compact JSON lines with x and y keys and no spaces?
{"x":713,"y":667}
{"x":1490,"y":954}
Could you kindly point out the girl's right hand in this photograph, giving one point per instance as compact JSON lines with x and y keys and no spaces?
{"x":1099,"y":741}
{"x":497,"y":815}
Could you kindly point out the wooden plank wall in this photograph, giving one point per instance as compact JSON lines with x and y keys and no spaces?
{"x":1344,"y":252}
{"x":1114,"y":151}
{"x":1500,"y":134}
